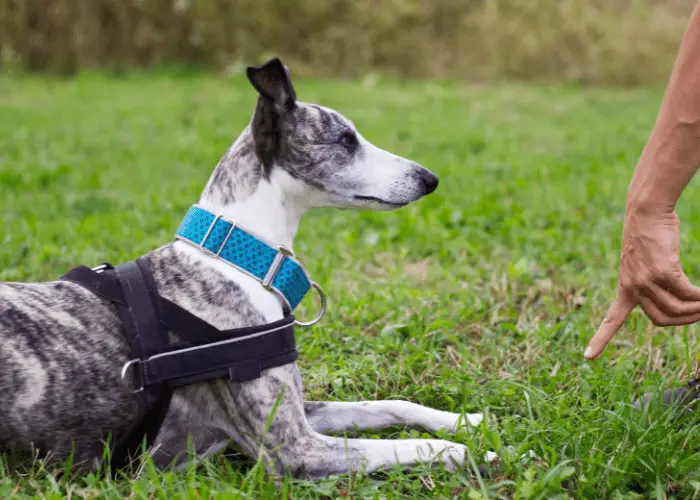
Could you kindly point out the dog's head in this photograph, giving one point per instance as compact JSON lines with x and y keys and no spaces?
{"x":328,"y":161}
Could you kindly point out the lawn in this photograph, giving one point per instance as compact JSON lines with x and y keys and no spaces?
{"x":481,"y":297}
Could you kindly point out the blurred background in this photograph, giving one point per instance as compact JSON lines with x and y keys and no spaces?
{"x":606,"y":42}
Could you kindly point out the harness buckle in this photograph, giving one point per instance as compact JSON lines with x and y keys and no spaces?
{"x":101,"y":268}
{"x":132,"y":366}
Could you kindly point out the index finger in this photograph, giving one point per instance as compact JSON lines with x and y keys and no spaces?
{"x":619,"y":310}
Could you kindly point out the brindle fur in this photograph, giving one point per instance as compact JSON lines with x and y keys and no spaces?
{"x":62,"y":348}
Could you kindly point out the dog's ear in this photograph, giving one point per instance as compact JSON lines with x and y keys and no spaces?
{"x":272,"y":81}
{"x":277,"y":97}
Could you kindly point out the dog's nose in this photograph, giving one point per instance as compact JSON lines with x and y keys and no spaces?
{"x":429,"y":180}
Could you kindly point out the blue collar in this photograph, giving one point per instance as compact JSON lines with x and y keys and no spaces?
{"x":275,"y":268}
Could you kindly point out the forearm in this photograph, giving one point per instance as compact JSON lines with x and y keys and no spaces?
{"x":672,"y":154}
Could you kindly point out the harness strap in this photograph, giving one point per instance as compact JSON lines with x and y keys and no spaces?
{"x":171,"y":316}
{"x":204,"y":353}
{"x":238,"y":359}
{"x":145,"y":335}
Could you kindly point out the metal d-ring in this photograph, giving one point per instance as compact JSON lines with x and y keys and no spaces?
{"x":321,"y":312}
{"x":125,"y":371}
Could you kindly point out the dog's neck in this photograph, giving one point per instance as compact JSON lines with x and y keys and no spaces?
{"x":239,"y":192}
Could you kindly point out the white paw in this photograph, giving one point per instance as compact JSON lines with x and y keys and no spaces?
{"x":474,"y":419}
{"x":452,"y":455}
{"x":465,"y":421}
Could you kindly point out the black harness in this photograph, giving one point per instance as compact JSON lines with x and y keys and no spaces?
{"x":158,"y":366}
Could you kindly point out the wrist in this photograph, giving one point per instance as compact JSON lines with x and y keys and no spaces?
{"x":649,"y":197}
{"x":649,"y":202}
{"x":668,"y":162}
{"x":656,"y":185}
{"x":641,"y":200}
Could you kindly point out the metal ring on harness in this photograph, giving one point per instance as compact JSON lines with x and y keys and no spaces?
{"x":321,"y":312}
{"x":125,"y":371}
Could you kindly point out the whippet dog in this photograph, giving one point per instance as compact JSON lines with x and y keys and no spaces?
{"x":62,"y":347}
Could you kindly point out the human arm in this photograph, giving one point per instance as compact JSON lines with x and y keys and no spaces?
{"x":650,"y":272}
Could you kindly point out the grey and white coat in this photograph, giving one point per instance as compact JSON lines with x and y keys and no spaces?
{"x":62,"y":348}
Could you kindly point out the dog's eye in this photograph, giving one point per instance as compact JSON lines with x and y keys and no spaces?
{"x":348,"y":139}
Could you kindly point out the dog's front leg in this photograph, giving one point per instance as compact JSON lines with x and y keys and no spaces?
{"x":338,"y":417}
{"x":195,"y":426}
{"x":271,"y":409}
{"x":321,"y":456}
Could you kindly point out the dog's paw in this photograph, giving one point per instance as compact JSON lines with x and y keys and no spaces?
{"x":468,"y":421}
{"x":452,"y":455}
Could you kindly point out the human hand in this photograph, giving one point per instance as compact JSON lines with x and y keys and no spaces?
{"x":650,"y":276}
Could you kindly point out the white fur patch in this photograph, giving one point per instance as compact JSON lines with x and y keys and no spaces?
{"x":36,"y":380}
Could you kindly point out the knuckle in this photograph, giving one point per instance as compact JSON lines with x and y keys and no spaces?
{"x":670,"y":272}
{"x":627,"y":285}
{"x":675,"y":308}
{"x":608,"y":319}
{"x":659,"y":320}
{"x":654,"y":315}
{"x":645,"y":281}
{"x":675,"y":311}
{"x":667,"y":275}
{"x":641,"y":281}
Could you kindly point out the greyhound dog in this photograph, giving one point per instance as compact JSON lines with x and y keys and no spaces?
{"x":62,"y":347}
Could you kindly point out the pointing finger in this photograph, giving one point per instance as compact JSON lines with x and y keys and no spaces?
{"x":620,"y":309}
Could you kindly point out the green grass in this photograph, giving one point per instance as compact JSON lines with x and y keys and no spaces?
{"x":480,"y":297}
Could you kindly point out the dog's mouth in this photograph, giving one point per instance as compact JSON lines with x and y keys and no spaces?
{"x":380,"y":201}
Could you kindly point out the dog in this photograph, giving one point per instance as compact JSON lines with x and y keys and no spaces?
{"x":62,"y":347}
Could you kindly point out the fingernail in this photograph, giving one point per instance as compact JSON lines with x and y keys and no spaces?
{"x":587,"y":353}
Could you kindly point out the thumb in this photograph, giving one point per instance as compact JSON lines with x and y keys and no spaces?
{"x":621,"y":307}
